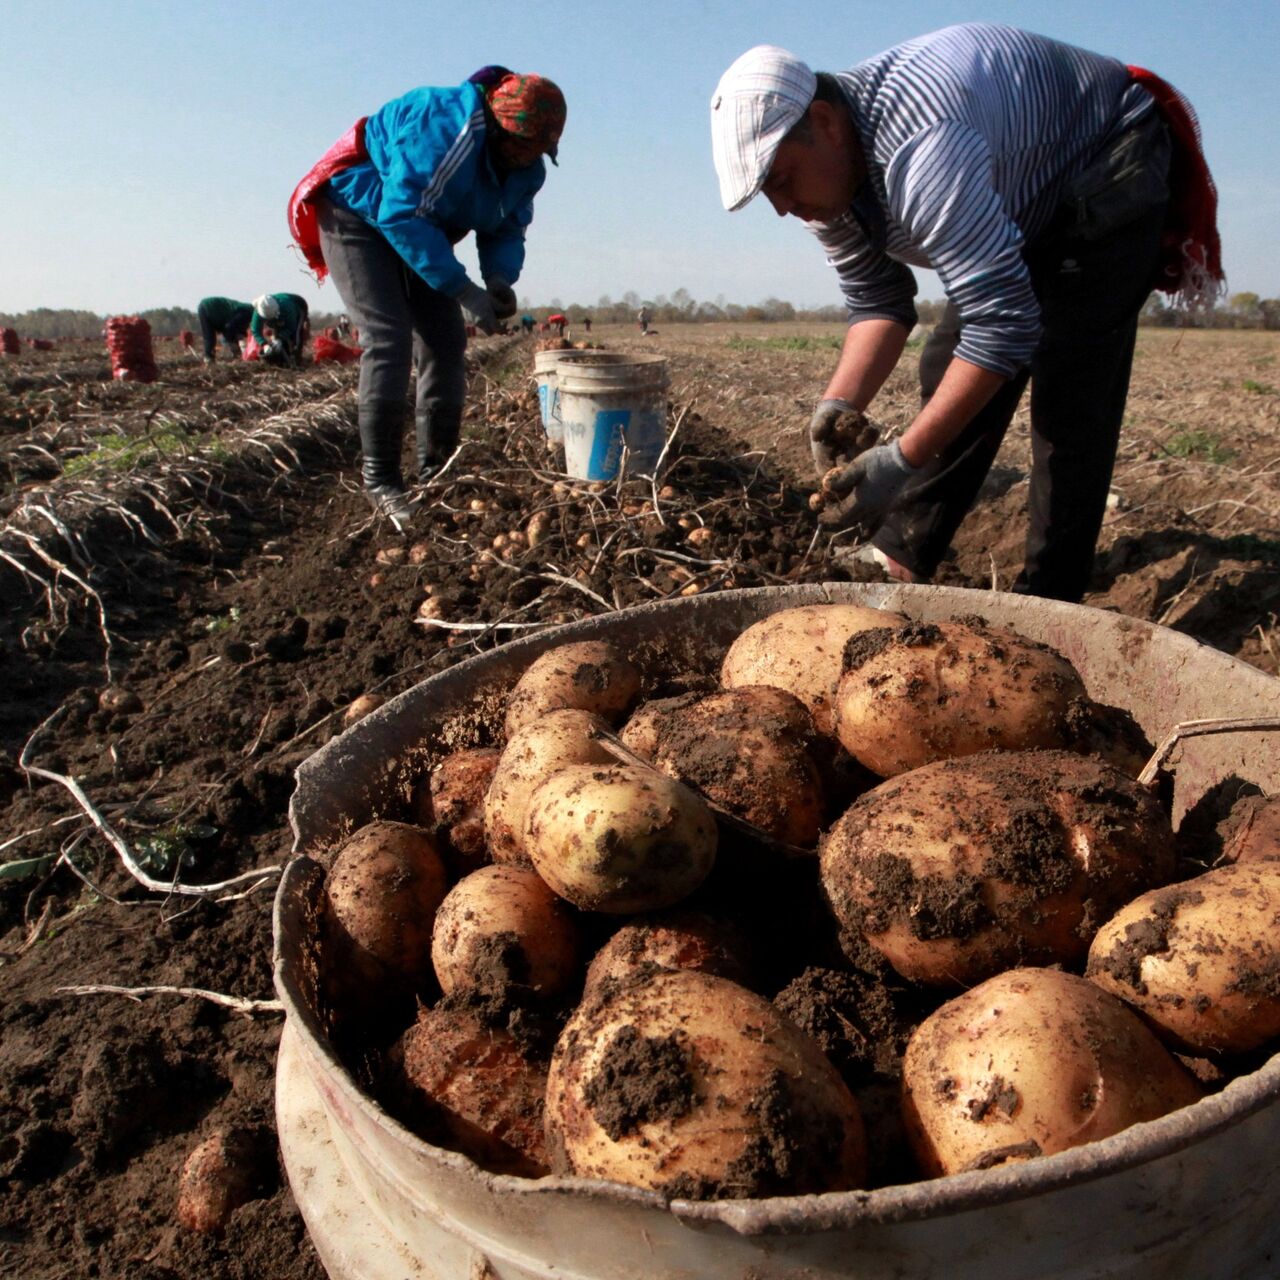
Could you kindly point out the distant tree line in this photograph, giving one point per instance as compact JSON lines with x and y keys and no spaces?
{"x":1241,"y":311}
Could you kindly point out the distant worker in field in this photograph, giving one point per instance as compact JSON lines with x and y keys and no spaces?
{"x":586,"y":323}
{"x":559,"y":323}
{"x":223,"y":318}
{"x":1035,"y":178}
{"x":643,"y":317}
{"x":403,"y":186}
{"x":527,"y":323}
{"x":286,"y":316}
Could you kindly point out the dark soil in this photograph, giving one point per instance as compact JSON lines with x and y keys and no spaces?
{"x":238,"y":642}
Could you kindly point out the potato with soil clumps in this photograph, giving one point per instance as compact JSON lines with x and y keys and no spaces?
{"x":382,"y":892}
{"x":1200,"y":959}
{"x":534,"y":753}
{"x":226,"y":1170}
{"x":965,"y":867}
{"x":935,"y":691}
{"x":1030,"y":1063}
{"x":673,"y":940}
{"x":747,"y":750}
{"x":451,"y":804}
{"x":461,"y":1078}
{"x":590,"y":675}
{"x":620,"y":839}
{"x":801,"y":650}
{"x":692,"y":1086}
{"x":501,"y":926}
{"x":1253,"y":831}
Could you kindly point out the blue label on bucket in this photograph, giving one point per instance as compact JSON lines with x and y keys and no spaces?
{"x":606,"y":445}
{"x":544,"y":407}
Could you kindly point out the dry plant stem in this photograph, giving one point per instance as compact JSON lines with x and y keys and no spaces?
{"x":239,"y":1003}
{"x":252,"y":878}
{"x":1197,"y":729}
{"x":619,"y":750}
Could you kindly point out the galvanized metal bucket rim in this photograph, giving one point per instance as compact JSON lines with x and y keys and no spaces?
{"x":933,"y":1198}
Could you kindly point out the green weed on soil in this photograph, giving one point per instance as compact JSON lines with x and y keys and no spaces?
{"x":124,"y":453}
{"x":794,"y":342}
{"x":1199,"y":444}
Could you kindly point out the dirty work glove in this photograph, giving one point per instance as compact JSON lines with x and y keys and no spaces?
{"x":477,"y":305}
{"x":821,"y":431}
{"x":503,"y":297}
{"x":874,"y":482}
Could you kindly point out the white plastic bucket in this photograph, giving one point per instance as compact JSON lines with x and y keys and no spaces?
{"x":1190,"y":1196}
{"x":606,"y":407}
{"x":546,"y":365}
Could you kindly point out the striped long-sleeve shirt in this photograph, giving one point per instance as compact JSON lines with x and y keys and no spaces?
{"x":970,"y":136}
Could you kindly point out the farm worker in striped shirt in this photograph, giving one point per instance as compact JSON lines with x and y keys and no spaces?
{"x":286,"y":315}
{"x":382,"y":211}
{"x":223,"y":318}
{"x":1035,"y":178}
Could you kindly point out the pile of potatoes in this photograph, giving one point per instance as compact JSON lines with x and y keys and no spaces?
{"x":884,"y":903}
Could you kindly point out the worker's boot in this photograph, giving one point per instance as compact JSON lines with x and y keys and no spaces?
{"x":439,"y":427}
{"x":381,"y":435}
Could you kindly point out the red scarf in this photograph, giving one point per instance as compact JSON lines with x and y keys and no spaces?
{"x":347,"y":151}
{"x":1191,"y":255}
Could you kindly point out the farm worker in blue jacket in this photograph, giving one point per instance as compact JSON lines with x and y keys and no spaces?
{"x":285,"y":314}
{"x":223,"y":318}
{"x":382,"y":211}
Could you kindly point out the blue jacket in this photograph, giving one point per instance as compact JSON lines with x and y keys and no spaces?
{"x":429,"y":181}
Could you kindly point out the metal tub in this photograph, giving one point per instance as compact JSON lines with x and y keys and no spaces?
{"x":1188,"y":1195}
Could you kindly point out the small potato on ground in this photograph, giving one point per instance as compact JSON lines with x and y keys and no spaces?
{"x":1029,"y":1063}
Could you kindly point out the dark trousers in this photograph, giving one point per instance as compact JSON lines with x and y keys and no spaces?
{"x":1090,"y":293}
{"x":400,"y":317}
{"x":210,"y":332}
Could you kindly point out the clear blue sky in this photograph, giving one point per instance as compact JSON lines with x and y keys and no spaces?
{"x":148,"y":149}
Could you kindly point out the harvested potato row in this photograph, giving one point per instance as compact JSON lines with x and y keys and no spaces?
{"x":1200,"y":959}
{"x":590,"y":675}
{"x":619,"y":839}
{"x":692,"y":1086}
{"x":1030,"y":1063}
{"x":501,"y":926}
{"x":959,"y":869}
{"x":534,"y":753}
{"x":801,"y":650}
{"x":746,"y":750}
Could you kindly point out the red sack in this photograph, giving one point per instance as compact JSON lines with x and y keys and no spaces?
{"x":329,"y":349}
{"x":347,"y":151}
{"x":250,"y":350}
{"x":9,"y":343}
{"x":187,"y":339}
{"x":129,"y":342}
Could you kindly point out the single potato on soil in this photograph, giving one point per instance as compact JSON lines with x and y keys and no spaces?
{"x":1200,"y":959}
{"x":692,"y":1086}
{"x":962,"y":868}
{"x":1029,"y":1063}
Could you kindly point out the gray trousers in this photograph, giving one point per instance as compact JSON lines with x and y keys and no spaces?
{"x":402,"y":320}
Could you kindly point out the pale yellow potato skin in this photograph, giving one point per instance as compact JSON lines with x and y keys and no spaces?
{"x":534,"y":753}
{"x":733,"y":1044}
{"x":590,"y":675}
{"x":1200,"y":959}
{"x":962,"y":868}
{"x":1032,"y":1062}
{"x":515,"y":904}
{"x":383,"y":890}
{"x":619,"y":838}
{"x":800,"y":650}
{"x":943,"y":690}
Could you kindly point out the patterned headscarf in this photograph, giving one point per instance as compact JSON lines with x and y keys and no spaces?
{"x":530,"y":108}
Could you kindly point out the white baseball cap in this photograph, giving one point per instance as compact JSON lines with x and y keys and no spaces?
{"x":758,"y":100}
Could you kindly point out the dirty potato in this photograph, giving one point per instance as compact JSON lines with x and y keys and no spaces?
{"x":671,"y":940}
{"x":590,"y":675}
{"x":451,"y":804}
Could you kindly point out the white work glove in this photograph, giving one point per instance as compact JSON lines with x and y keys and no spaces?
{"x":503,"y":297}
{"x":820,"y":433}
{"x":477,"y":306}
{"x":874,"y":481}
